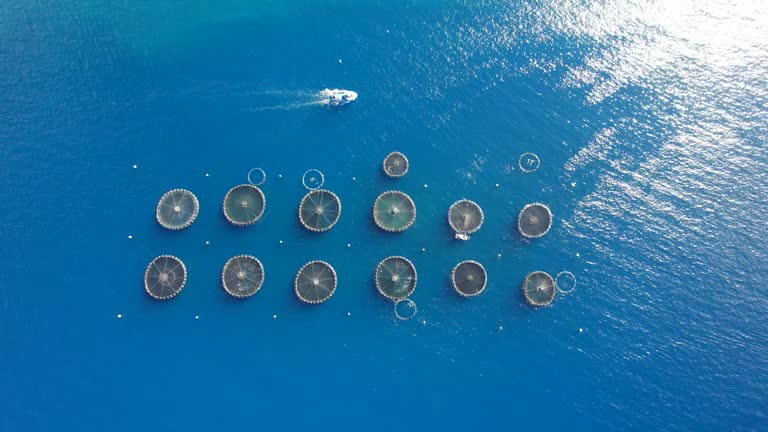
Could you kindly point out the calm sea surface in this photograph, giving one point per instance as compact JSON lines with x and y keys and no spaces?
{"x":650,"y":119}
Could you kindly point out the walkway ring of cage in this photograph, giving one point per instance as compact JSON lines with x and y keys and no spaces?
{"x":396,"y":277}
{"x":239,"y":203}
{"x":315,"y":275}
{"x":165,"y":277}
{"x":177,"y":209}
{"x":319,"y":210}
{"x":469,"y":278}
{"x":529,"y":157}
{"x":557,"y":284}
{"x":410,"y":303}
{"x":244,"y":280}
{"x":391,"y":216}
{"x":534,"y":221}
{"x":465,"y":216}
{"x":314,"y":172}
{"x":539,"y":288}
{"x":263,"y":176}
{"x":395,"y":165}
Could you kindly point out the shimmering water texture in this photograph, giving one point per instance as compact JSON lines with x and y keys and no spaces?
{"x":641,"y":125}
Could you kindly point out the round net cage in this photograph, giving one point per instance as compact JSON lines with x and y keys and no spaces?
{"x":395,"y":164}
{"x":529,"y":162}
{"x":242,"y":276}
{"x":539,"y":288}
{"x":394,"y":211}
{"x":396,"y":278}
{"x":315,"y":282}
{"x":244,"y":204}
{"x":534,"y":220}
{"x":469,"y":278}
{"x":405,"y":309}
{"x":319,"y":210}
{"x":165,"y":277}
{"x":465,"y":216}
{"x":177,"y":209}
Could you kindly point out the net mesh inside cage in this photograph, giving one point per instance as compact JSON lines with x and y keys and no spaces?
{"x":539,"y":288}
{"x":394,"y":211}
{"x":395,"y":164}
{"x":534,"y":220}
{"x":396,"y":277}
{"x":315,"y":282}
{"x":469,"y":278}
{"x":242,"y":276}
{"x":465,"y":216}
{"x":165,"y":277}
{"x":177,"y":209}
{"x":244,"y":204}
{"x":319,"y":210}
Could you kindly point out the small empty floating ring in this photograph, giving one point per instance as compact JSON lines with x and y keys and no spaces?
{"x":263,"y":176}
{"x":311,"y":178}
{"x":411,"y":304}
{"x":532,"y":162}
{"x":568,"y":275}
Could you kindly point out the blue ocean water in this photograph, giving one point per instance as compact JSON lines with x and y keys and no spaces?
{"x":650,"y":119}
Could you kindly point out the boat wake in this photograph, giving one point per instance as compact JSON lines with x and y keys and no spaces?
{"x":286,"y":100}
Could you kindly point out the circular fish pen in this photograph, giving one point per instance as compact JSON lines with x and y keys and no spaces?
{"x":165,"y":277}
{"x":252,"y":174}
{"x":529,"y":162}
{"x":396,"y":278}
{"x":395,"y":165}
{"x":313,"y":179}
{"x":534,"y":221}
{"x":465,"y":216}
{"x":394,"y":211}
{"x":177,"y":209}
{"x":469,"y":278}
{"x":242,"y":276}
{"x":315,"y":282}
{"x":244,"y":204}
{"x":405,"y":309}
{"x":319,"y":210}
{"x":539,"y":288}
{"x":564,"y":287}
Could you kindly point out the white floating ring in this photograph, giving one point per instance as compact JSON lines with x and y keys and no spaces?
{"x":263,"y":176}
{"x":557,"y":283}
{"x":312,"y":179}
{"x":531,"y":167}
{"x":411,"y":303}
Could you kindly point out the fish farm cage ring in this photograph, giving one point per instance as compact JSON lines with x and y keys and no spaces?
{"x":263,"y":176}
{"x":534,"y":221}
{"x":394,"y":211}
{"x":395,"y":165}
{"x":529,"y":162}
{"x":319,"y":210}
{"x":243,"y":276}
{"x":411,"y":305}
{"x":313,"y":179}
{"x":165,"y":277}
{"x":469,"y":278}
{"x":539,"y":288}
{"x":244,"y":204}
{"x":567,"y":275}
{"x":396,"y":277}
{"x":315,"y":282}
{"x":177,"y":209}
{"x":465,"y":216}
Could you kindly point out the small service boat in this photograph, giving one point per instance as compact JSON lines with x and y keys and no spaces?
{"x":338,"y":97}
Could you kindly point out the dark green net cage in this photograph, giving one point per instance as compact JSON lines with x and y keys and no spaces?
{"x":242,"y":276}
{"x":539,"y":288}
{"x":394,"y":211}
{"x":319,"y":210}
{"x":315,"y":282}
{"x":177,"y":209}
{"x":244,"y":204}
{"x":396,"y":277}
{"x":165,"y":277}
{"x":469,"y":278}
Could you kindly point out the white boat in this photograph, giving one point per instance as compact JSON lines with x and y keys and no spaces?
{"x":338,"y":97}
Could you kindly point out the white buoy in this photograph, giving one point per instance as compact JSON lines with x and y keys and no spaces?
{"x":339,"y":60}
{"x":281,"y":242}
{"x":349,"y":244}
{"x":423,"y":249}
{"x":207,"y":175}
{"x":497,"y":185}
{"x":349,"y":313}
{"x":207,"y":242}
{"x":499,"y":255}
{"x":573,"y":184}
{"x":577,"y":255}
{"x":581,"y":330}
{"x":279,"y":176}
{"x":135,"y":166}
{"x":130,"y":236}
{"x":424,"y":322}
{"x":425,"y":185}
{"x":501,"y":328}
{"x":354,"y":178}
{"x":274,"y":316}
{"x":119,"y":316}
{"x":197,"y":317}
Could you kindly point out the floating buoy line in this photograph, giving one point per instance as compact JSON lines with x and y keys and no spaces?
{"x":319,"y":210}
